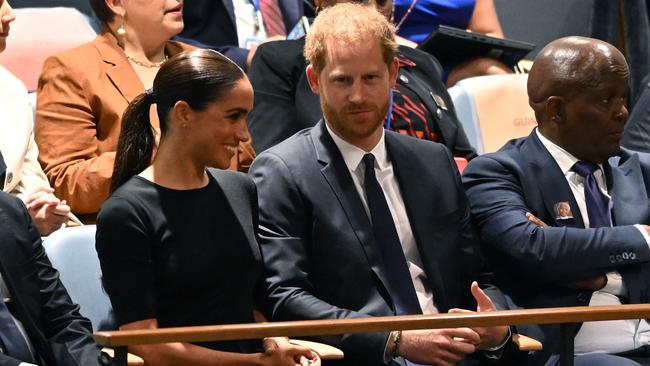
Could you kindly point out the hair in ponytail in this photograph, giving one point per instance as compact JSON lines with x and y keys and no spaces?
{"x":136,"y":143}
{"x":198,"y":77}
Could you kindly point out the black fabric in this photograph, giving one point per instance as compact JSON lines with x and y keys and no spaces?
{"x":179,"y":256}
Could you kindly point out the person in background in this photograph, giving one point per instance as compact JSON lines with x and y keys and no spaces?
{"x":236,"y":27}
{"x":416,"y":19}
{"x":285,"y":104}
{"x":176,"y":241}
{"x":22,"y":174}
{"x":83,"y":92}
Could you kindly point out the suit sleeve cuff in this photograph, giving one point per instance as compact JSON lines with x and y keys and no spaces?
{"x":495,"y":353}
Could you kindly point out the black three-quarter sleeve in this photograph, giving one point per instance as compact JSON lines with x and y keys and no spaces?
{"x":125,"y":254}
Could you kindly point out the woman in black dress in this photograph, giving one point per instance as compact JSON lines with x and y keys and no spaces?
{"x":176,"y":241}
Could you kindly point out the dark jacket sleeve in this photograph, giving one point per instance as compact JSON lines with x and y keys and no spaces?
{"x":67,"y":333}
{"x":547,"y":255}
{"x":273,"y":74}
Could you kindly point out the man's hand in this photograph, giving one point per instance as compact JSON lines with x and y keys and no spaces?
{"x":532,"y":218}
{"x":279,"y":352}
{"x":438,"y":347}
{"x":490,"y":336}
{"x":47,"y":211}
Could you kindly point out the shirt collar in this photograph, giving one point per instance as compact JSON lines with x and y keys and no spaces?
{"x":352,"y":155}
{"x":563,"y":158}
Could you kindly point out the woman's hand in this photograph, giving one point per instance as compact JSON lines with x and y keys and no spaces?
{"x":47,"y":211}
{"x":279,"y":352}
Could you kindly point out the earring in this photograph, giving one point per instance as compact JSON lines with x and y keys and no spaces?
{"x":121,"y":31}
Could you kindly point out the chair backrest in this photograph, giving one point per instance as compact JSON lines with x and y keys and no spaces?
{"x":493,"y":109}
{"x":38,"y":33}
{"x":72,"y":252}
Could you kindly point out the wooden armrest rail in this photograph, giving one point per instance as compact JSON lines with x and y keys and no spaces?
{"x":372,"y":324}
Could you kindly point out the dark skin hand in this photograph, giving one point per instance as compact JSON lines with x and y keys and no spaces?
{"x":589,"y":284}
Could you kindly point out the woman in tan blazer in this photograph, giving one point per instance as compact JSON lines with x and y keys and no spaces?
{"x":83,"y":92}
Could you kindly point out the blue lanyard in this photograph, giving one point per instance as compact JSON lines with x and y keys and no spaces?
{"x":256,"y":4}
{"x":390,"y":111}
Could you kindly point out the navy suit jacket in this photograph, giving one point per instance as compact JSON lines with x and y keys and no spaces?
{"x":531,"y":262}
{"x":212,"y":24}
{"x":317,"y":242}
{"x":59,"y":334}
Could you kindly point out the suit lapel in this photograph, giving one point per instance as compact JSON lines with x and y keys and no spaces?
{"x":118,"y":69}
{"x":551,"y":182}
{"x":626,"y":187}
{"x":420,"y":214}
{"x":338,"y":177}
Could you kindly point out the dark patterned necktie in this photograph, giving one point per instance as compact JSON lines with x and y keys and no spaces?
{"x":272,"y":17}
{"x":14,"y":342}
{"x":597,"y":202}
{"x":400,"y":282}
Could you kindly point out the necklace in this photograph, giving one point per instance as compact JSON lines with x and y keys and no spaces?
{"x":147,"y":64}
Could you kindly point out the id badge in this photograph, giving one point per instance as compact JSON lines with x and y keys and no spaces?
{"x":251,"y":41}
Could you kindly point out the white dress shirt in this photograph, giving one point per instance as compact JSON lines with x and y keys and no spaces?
{"x":353,"y":156}
{"x":613,"y":336}
{"x":5,"y":291}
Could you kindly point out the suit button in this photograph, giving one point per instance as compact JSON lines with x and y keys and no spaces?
{"x":619,"y":258}
{"x":612,"y":259}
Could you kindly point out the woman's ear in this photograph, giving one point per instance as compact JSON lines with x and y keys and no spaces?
{"x":182,"y":114}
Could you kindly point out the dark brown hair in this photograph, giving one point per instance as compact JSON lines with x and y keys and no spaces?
{"x":198,"y":77}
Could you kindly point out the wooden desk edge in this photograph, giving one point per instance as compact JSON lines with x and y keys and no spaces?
{"x":372,"y":324}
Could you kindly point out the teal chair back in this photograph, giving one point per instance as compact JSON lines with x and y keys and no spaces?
{"x":72,"y":252}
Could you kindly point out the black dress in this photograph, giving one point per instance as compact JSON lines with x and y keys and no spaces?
{"x":180,"y":256}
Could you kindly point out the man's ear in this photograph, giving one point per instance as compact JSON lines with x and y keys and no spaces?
{"x":312,"y":78}
{"x":393,"y":70}
{"x":555,"y":109}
